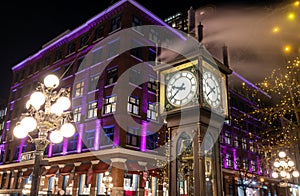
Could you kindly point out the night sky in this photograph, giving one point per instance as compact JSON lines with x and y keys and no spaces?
{"x":27,"y":25}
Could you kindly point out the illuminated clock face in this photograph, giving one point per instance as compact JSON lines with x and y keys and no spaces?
{"x":211,"y":89}
{"x":181,"y":88}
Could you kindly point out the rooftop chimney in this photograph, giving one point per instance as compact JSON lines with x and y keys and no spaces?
{"x":225,"y":56}
{"x":200,"y":32}
{"x":191,"y":21}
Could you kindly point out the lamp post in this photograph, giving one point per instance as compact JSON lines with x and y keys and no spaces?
{"x":107,"y":181}
{"x":45,"y":121}
{"x":284,"y":168}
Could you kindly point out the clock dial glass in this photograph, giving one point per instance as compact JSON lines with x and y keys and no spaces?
{"x":181,"y":88}
{"x":211,"y":89}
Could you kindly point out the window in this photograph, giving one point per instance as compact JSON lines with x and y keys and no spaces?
{"x":236,"y":141}
{"x":244,"y":143}
{"x":137,"y":23}
{"x":245,"y":164}
{"x":151,"y":55}
{"x":88,"y":139}
{"x":109,"y":104}
{"x":111,"y":76}
{"x":133,"y":105}
{"x":227,"y":138}
{"x":132,"y":137}
{"x":16,"y":153}
{"x":72,"y":142}
{"x":136,"y":50}
{"x":151,"y":141}
{"x":153,"y":35}
{"x":79,"y":89}
{"x":46,"y":62}
{"x":115,"y":23}
{"x":80,"y":66}
{"x":253,"y":165}
{"x":77,"y":114}
{"x":71,"y":47}
{"x":113,"y":48}
{"x":93,"y":82}
{"x":58,"y":54}
{"x":92,"y":109}
{"x":57,"y":148}
{"x":228,"y":159}
{"x":107,"y":136}
{"x":99,"y":33}
{"x":97,"y":55}
{"x":135,"y":76}
{"x":151,"y":111}
{"x":251,"y":146}
{"x":84,"y":40}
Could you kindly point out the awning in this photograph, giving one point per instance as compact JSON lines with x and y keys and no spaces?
{"x":134,"y":168}
{"x":101,"y":167}
{"x":83,"y":168}
{"x":52,"y":171}
{"x":66,"y":170}
{"x":27,"y":173}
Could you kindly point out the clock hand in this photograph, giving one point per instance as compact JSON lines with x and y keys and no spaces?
{"x":211,"y":90}
{"x":178,"y":89}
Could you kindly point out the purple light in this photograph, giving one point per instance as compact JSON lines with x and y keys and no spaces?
{"x":80,"y":134}
{"x":50,"y":150}
{"x":116,"y":136}
{"x":65,"y":146}
{"x":97,"y":135}
{"x":87,"y":25}
{"x":234,"y":159}
{"x":258,"y":165}
{"x":21,"y":149}
{"x":143,"y":135}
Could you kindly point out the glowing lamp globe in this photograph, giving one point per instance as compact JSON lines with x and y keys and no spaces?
{"x":63,"y":102}
{"x":283,"y":163}
{"x":56,"y":137}
{"x":283,"y":173}
{"x":288,"y":175}
{"x":275,"y":175}
{"x":281,"y":154}
{"x":29,"y":123}
{"x":276,"y":164}
{"x":55,"y":109}
{"x":291,"y":163}
{"x":51,"y":81}
{"x":67,"y":130}
{"x":19,"y":132}
{"x":295,"y":174}
{"x":37,"y":99}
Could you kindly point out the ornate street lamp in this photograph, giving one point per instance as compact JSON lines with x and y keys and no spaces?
{"x":107,"y":181}
{"x":284,"y":168}
{"x":45,"y":121}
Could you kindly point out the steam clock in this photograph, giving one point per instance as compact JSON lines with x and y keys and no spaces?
{"x":193,"y":101}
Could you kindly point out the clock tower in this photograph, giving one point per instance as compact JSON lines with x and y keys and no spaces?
{"x":193,"y":102}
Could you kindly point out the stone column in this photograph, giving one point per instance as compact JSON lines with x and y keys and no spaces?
{"x":142,"y":184}
{"x":75,"y":180}
{"x":93,"y":191}
{"x":14,"y":179}
{"x":60,"y":178}
{"x":117,"y":174}
{"x":7,"y":179}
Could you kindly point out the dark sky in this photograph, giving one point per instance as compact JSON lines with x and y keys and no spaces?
{"x":27,"y":25}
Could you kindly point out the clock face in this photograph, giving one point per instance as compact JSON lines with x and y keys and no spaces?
{"x":181,"y":88}
{"x":211,"y":89}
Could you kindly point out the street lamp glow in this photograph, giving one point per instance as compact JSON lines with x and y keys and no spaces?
{"x":29,"y":123}
{"x":281,"y":154}
{"x":19,"y":132}
{"x":56,"y":137}
{"x":67,"y":130}
{"x":63,"y":102}
{"x":291,"y":163}
{"x":55,"y":109}
{"x":283,"y":173}
{"x":51,"y":81}
{"x":295,"y":174}
{"x":296,"y":3}
{"x":291,"y":16}
{"x":276,"y":164}
{"x":275,"y":29}
{"x":275,"y":175}
{"x":37,"y":99}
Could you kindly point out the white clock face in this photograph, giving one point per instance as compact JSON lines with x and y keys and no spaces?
{"x":211,"y":89}
{"x":181,"y":88}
